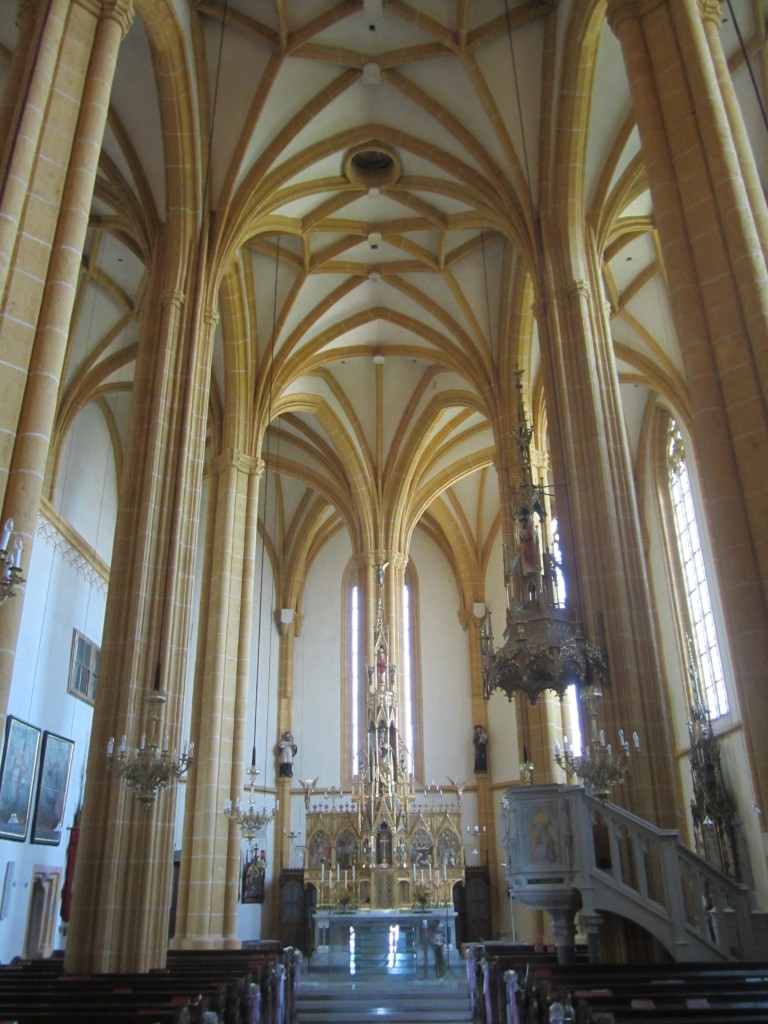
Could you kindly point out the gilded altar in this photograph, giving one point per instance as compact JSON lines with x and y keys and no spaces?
{"x":383,"y":845}
{"x":416,"y":863}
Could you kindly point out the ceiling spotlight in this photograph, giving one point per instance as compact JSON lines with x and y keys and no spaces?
{"x":374,"y":276}
{"x":374,"y":239}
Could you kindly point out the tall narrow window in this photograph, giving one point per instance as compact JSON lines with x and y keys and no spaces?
{"x":557,"y":565}
{"x":354,"y":636}
{"x":407,"y":722}
{"x":694,"y":577}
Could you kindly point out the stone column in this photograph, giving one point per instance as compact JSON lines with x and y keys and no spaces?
{"x":711,"y":224}
{"x":564,"y":933}
{"x":605,"y":571}
{"x":41,"y":285}
{"x":281,"y":848}
{"x":712,"y":13}
{"x":23,"y":116}
{"x":206,"y":916}
{"x":592,"y":925}
{"x":122,"y":888}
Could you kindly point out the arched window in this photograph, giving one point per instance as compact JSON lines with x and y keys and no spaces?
{"x":354,"y":671}
{"x":406,"y":720}
{"x":354,"y":680}
{"x":409,"y":672}
{"x":701,"y":618}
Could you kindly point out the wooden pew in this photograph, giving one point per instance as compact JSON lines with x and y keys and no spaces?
{"x":241,"y":986}
{"x":670,"y":993}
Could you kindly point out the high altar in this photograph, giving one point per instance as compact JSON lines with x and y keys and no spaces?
{"x":384,"y":846}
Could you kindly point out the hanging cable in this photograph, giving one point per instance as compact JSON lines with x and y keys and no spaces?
{"x":747,"y":61}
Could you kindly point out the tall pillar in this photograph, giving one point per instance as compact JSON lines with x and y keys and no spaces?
{"x":122,"y":887}
{"x":206,"y":915}
{"x":282,"y":837}
{"x":42,"y":283}
{"x":605,"y":571}
{"x":711,"y":224}
{"x":23,"y":111}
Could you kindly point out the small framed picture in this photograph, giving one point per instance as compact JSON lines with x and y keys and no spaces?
{"x":52,"y":786}
{"x":17,"y":776}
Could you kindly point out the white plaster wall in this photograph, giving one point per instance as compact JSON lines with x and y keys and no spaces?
{"x":446,"y":685}
{"x":317,"y":668}
{"x":261,"y":731}
{"x":87,"y":487}
{"x":57,"y":599}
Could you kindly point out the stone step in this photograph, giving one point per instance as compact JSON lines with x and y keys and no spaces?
{"x":396,"y":1001}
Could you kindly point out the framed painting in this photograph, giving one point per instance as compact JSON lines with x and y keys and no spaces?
{"x":52,"y":786}
{"x":17,"y":775}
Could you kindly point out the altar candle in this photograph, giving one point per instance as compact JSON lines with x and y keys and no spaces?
{"x":322,"y":873}
{"x":430,"y":872}
{"x":337,"y":874}
{"x":422,"y":876}
{"x":414,"y":872}
{"x":345,"y":876}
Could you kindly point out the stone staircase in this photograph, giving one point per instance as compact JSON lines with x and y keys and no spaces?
{"x":394,"y":1000}
{"x":383,"y":976}
{"x":561,"y":841}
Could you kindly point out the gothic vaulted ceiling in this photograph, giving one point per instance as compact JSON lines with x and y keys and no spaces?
{"x":371,"y":167}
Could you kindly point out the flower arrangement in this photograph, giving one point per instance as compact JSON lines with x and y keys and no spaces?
{"x":345,"y":897}
{"x":422,"y":896}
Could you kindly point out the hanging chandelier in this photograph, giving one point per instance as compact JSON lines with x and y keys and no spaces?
{"x":10,"y":563}
{"x":149,"y":767}
{"x":249,"y":820}
{"x":543,"y":649}
{"x":600,"y":767}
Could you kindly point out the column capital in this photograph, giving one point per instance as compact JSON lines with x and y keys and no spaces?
{"x":576,"y":290}
{"x":120,"y":11}
{"x":398,"y":561}
{"x":711,"y":11}
{"x":233,"y":458}
{"x":174,"y":298}
{"x":591,"y":922}
{"x":619,"y":11}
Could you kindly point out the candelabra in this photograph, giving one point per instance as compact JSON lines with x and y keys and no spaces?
{"x":249,"y":820}
{"x":10,"y":563}
{"x":150,"y":767}
{"x":600,"y":767}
